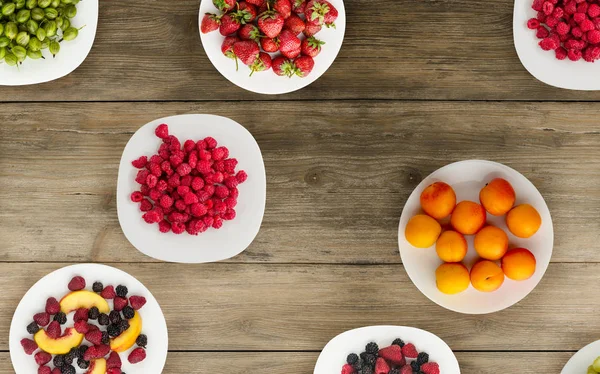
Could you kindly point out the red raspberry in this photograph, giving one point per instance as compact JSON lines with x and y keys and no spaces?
{"x":56,"y":371}
{"x":81,"y":315}
{"x":137,"y":302}
{"x":137,"y":196}
{"x":579,"y":17}
{"x":548,"y":44}
{"x":151,"y":217}
{"x":162,"y":131}
{"x":178,"y":228}
{"x":591,"y":54}
{"x":197,"y":183}
{"x":42,"y":319}
{"x":175,"y":160}
{"x":230,"y":202}
{"x":208,"y":221}
{"x":571,"y":8}
{"x":241,"y":176}
{"x":533,"y":24}
{"x":94,"y":337}
{"x":119,"y":304}
{"x":562,"y":28}
{"x":108,"y":293}
{"x":186,"y":181}
{"x":231,"y":182}
{"x":209,"y":205}
{"x":155,"y":169}
{"x":141,"y":176}
{"x":163,"y":151}
{"x":537,"y":5}
{"x":193,"y":160}
{"x":53,"y":330}
{"x":151,"y":180}
{"x":558,"y":12}
{"x":190,"y":198}
{"x":209,"y":189}
{"x":44,"y":370}
{"x":561,"y":53}
{"x":204,"y":167}
{"x":231,"y":163}
{"x":166,"y":201}
{"x":182,"y":190}
{"x":184,"y":169}
{"x":587,"y":25}
{"x":234,"y":193}
{"x":205,"y":155}
{"x":154,"y":194}
{"x":180,"y":205}
{"x":198,"y":210}
{"x":229,"y":215}
{"x":145,"y":190}
{"x":174,"y":181}
{"x":541,"y":16}
{"x":200,"y":144}
{"x":220,"y":207}
{"x":176,"y":217}
{"x":162,"y":186}
{"x":210,"y":142}
{"x":219,"y":166}
{"x":137,"y":355}
{"x":220,"y":153}
{"x":430,"y":368}
{"x":146,"y":205}
{"x":409,"y":351}
{"x":52,"y":306}
{"x":203,"y":196}
{"x":218,"y":177}
{"x":82,"y":327}
{"x":113,"y":361}
{"x":221,"y":192}
{"x":593,"y":36}
{"x":217,"y":222}
{"x":140,"y":163}
{"x":189,"y":145}
{"x":29,"y":346}
{"x":593,"y":10}
{"x":174,"y":144}
{"x":542,"y":32}
{"x":576,"y":32}
{"x":166,"y":167}
{"x":551,"y":21}
{"x":582,"y":8}
{"x":547,"y":8}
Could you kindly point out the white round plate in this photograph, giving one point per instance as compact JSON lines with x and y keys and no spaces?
{"x":213,"y":245}
{"x":333,"y":356}
{"x":71,"y":54}
{"x":55,"y":285}
{"x":542,"y":64}
{"x":467,"y":178}
{"x":267,"y":82}
{"x":581,"y":360}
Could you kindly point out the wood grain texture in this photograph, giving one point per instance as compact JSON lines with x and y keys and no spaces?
{"x":434,"y":49}
{"x":303,"y":363}
{"x":336,"y":183}
{"x":293,"y":307}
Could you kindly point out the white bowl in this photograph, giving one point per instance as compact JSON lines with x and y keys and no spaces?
{"x":71,"y":55}
{"x":467,"y":178}
{"x":333,"y":356}
{"x":55,"y":285}
{"x":581,"y":360}
{"x":212,"y":245}
{"x":542,"y":64}
{"x":267,"y":82}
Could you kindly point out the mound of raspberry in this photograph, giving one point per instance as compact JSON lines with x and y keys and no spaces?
{"x":569,"y":28}
{"x":190,"y":187}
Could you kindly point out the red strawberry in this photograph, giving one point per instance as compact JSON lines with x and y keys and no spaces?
{"x":249,"y":32}
{"x":113,"y":361}
{"x":137,"y":302}
{"x":381,"y":367}
{"x":262,"y":63}
{"x":119,"y":303}
{"x":227,"y":49}
{"x":249,"y":10}
{"x":229,"y":24}
{"x":108,"y":293}
{"x":311,"y":46}
{"x":291,"y":54}
{"x":392,"y":354}
{"x":283,"y":67}
{"x":224,"y":5}
{"x":29,"y":346}
{"x":44,"y":370}
{"x":430,"y":368}
{"x":269,"y":45}
{"x":283,"y":7}
{"x":270,"y":23}
{"x":263,"y":8}
{"x":298,"y":6}
{"x":406,"y":369}
{"x":295,"y":24}
{"x":316,"y":10}
{"x":288,"y":42}
{"x":331,"y":16}
{"x":80,"y":315}
{"x":304,"y":65}
{"x":257,"y":3}
{"x":409,"y":351}
{"x":113,"y":371}
{"x":52,"y":306}
{"x":347,"y":369}
{"x":311,"y":29}
{"x":210,"y":22}
{"x":247,"y":51}
{"x":94,"y":337}
{"x":137,"y":355}
{"x":42,"y":358}
{"x":82,"y":327}
{"x":53,"y":330}
{"x":77,"y":284}
{"x":42,"y":319}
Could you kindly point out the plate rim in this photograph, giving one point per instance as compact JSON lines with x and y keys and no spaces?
{"x":574,"y":356}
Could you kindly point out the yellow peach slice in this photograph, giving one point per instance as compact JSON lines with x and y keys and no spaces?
{"x":83,"y":299}
{"x":127,"y":339}
{"x":97,"y":366}
{"x":70,"y":339}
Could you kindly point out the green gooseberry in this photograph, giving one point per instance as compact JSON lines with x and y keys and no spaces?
{"x":30,"y":4}
{"x":34,"y":44}
{"x":1,"y":29}
{"x":50,"y":28}
{"x":19,"y":51}
{"x":11,"y":59}
{"x":23,"y":15}
{"x":45,"y":43}
{"x":51,"y":13}
{"x":71,"y":11}
{"x":2,"y":52}
{"x":34,"y":55}
{"x":70,"y":33}
{"x":59,"y":22}
{"x":38,"y":14}
{"x":32,"y":26}
{"x":4,"y":41}
{"x":8,"y":9}
{"x":41,"y":34}
{"x":54,"y":47}
{"x":11,"y":30}
{"x":66,"y":24}
{"x":55,"y":3}
{"x":44,"y":3}
{"x":20,"y":4}
{"x":23,"y":38}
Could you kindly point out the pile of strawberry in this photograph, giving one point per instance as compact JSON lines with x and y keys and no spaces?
{"x":274,"y":26}
{"x":187,"y":189}
{"x":571,"y":28}
{"x":398,"y":358}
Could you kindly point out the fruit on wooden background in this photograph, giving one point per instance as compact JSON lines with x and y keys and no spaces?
{"x":519,"y":264}
{"x":468,"y":217}
{"x":438,"y":200}
{"x":58,"y":346}
{"x":83,"y":299}
{"x":486,"y":276}
{"x":491,"y":243}
{"x":452,"y":278}
{"x":497,"y":197}
{"x":451,"y":246}
{"x":422,"y":231}
{"x":523,"y":221}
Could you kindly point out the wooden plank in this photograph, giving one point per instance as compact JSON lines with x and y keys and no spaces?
{"x":301,"y":307}
{"x":336,"y":184}
{"x":303,"y":363}
{"x":413,"y":50}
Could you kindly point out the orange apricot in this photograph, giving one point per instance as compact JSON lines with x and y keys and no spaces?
{"x":452,"y":278}
{"x":519,"y":264}
{"x":468,"y":217}
{"x":523,"y":221}
{"x":451,"y":246}
{"x":438,"y":200}
{"x":491,"y":243}
{"x":486,"y":276}
{"x":497,"y":197}
{"x":422,"y":231}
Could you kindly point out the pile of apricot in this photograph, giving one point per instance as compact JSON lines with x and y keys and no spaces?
{"x":491,"y":243}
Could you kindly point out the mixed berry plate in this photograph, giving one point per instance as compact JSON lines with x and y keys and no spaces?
{"x":72,"y":53}
{"x":213,"y":244}
{"x":581,"y":360}
{"x":333,"y":356}
{"x":267,"y":82}
{"x":149,"y":319}
{"x":542,"y":64}
{"x":467,"y":178}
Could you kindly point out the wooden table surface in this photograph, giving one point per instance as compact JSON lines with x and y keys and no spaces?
{"x":418,"y":84}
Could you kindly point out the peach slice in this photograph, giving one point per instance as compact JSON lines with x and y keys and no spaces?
{"x":70,"y":339}
{"x":127,"y":339}
{"x":97,"y":366}
{"x":83,"y":299}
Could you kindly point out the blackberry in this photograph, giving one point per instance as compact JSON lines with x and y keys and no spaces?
{"x":58,"y":361}
{"x":113,"y":331}
{"x":93,"y":313}
{"x":71,"y":356}
{"x":142,"y":341}
{"x":128,"y":312}
{"x":83,"y":363}
{"x":367,"y":370}
{"x":82,"y":350}
{"x":372,"y":348}
{"x":398,"y":342}
{"x":422,"y":358}
{"x":351,"y":359}
{"x":115,"y":317}
{"x":105,"y":338}
{"x":32,"y":328}
{"x":394,"y":371}
{"x":123,"y":325}
{"x":103,"y":320}
{"x":415,"y":366}
{"x":121,"y":291}
{"x":97,"y":287}
{"x":67,"y":369}
{"x":368,"y":359}
{"x":60,"y":318}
